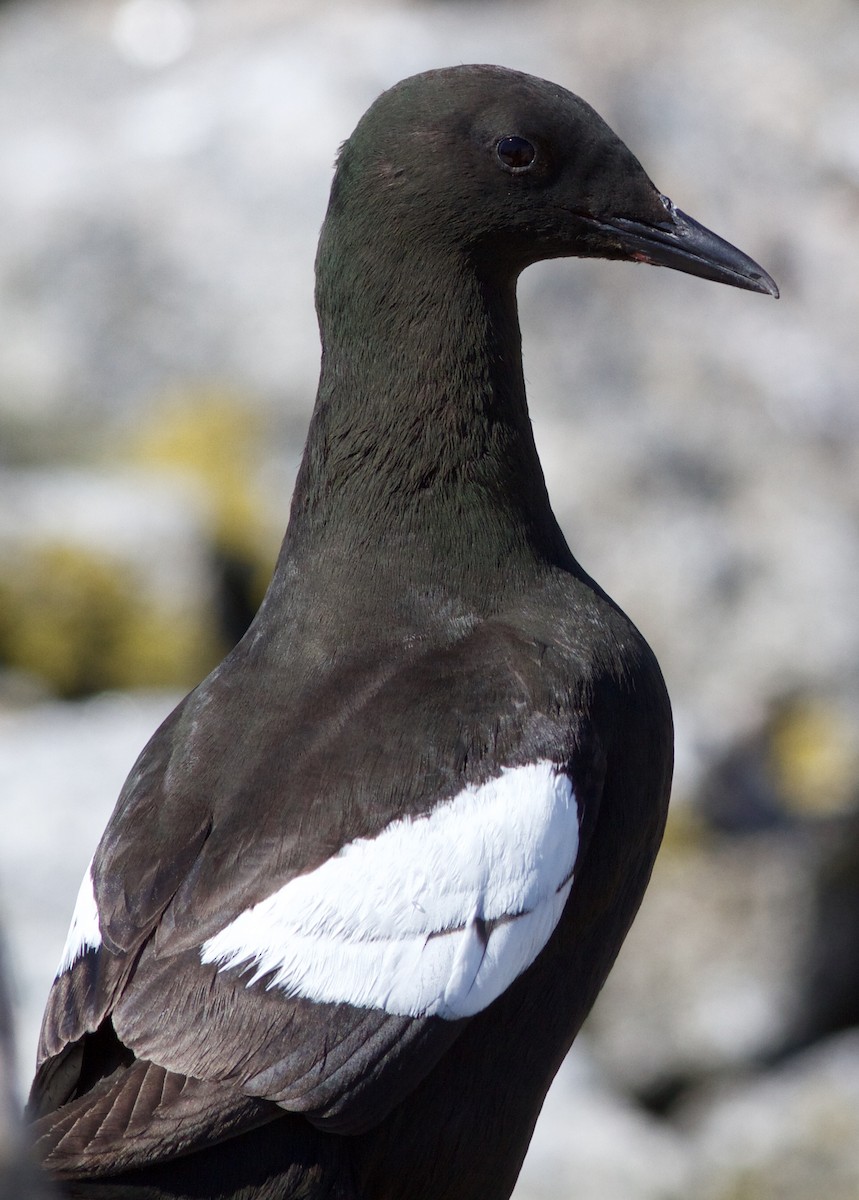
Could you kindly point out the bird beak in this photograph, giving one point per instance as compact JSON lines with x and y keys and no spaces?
{"x":684,"y":245}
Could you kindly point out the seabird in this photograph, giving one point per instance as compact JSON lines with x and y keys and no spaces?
{"x":363,"y":885}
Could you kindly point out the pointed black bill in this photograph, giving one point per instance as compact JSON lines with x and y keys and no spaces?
{"x":684,"y":245}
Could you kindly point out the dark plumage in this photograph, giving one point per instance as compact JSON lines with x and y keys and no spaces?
{"x":432,"y":682}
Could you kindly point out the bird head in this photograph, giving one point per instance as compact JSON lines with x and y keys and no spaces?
{"x":510,"y":169}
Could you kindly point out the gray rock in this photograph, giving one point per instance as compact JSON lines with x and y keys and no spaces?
{"x":708,"y":979}
{"x":61,"y":769}
{"x":19,"y":1179}
{"x":593,"y":1144}
{"x":789,"y":1134}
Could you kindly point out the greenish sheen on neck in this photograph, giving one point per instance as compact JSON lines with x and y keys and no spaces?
{"x":420,"y":441}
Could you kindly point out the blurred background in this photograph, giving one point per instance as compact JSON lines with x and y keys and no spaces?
{"x":164,"y":168}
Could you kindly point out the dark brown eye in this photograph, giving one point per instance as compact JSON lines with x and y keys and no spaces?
{"x":516,"y":153}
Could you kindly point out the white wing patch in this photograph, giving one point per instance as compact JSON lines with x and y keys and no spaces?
{"x":84,"y":932}
{"x":435,"y":916}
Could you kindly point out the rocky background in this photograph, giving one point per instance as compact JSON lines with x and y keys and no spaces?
{"x":164,"y":166}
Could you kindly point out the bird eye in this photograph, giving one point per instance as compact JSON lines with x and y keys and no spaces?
{"x":516,"y":153}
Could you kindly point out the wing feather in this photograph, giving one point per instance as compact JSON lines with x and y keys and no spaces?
{"x":210,"y":825}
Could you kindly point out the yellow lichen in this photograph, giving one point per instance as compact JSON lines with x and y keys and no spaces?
{"x":73,"y":617}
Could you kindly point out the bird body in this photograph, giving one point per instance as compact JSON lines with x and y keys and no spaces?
{"x":364,"y":884}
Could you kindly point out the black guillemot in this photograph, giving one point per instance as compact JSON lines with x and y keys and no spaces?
{"x":363,"y":885}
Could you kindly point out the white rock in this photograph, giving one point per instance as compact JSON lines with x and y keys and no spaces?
{"x":61,"y":769}
{"x":592,"y":1144}
{"x":708,"y":976}
{"x":789,"y":1134}
{"x":152,"y":525}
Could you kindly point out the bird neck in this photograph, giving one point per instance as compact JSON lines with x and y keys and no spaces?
{"x":420,"y":457}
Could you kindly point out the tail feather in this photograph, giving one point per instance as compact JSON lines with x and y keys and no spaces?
{"x":139,"y":1115}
